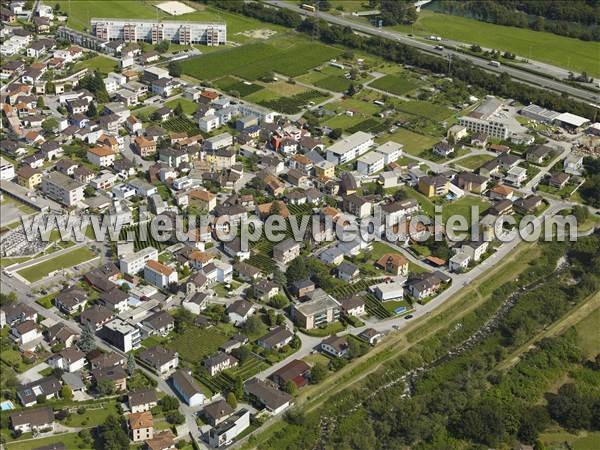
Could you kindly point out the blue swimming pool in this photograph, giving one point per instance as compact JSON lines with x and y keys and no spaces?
{"x":7,"y":405}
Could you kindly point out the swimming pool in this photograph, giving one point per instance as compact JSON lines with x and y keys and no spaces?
{"x":7,"y":405}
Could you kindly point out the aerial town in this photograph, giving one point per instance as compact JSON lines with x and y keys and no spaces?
{"x":222,"y":114}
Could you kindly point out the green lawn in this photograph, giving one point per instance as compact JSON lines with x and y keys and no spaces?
{"x":69,"y":259}
{"x":414,"y":144}
{"x":572,"y":54}
{"x":425,"y":109}
{"x":71,"y":440}
{"x":94,"y":415}
{"x":462,"y":207}
{"x":101,"y":63}
{"x":395,"y":84}
{"x":474,"y":162}
{"x":256,"y":60}
{"x":335,"y":83}
{"x":588,"y":338}
{"x":194,"y":344}
{"x":189,"y":107}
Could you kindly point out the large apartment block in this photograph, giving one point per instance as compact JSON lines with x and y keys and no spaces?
{"x":152,"y":31}
{"x":62,"y":188}
{"x":348,"y":148}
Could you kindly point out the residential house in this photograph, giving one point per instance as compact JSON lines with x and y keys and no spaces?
{"x":68,"y":360}
{"x":371,"y":336}
{"x":141,"y":426}
{"x":433,"y":186}
{"x":296,"y":371}
{"x":389,"y":289}
{"x":160,"y":323}
{"x":471,"y":182}
{"x":159,"y":275}
{"x":286,"y":251}
{"x":321,"y":309}
{"x":142,"y":400}
{"x":347,"y":271}
{"x":277,"y":338}
{"x":219,"y":362}
{"x":353,"y":306}
{"x":224,"y":433}
{"x":239,"y":311}
{"x":274,"y":400}
{"x":47,"y":388}
{"x":29,"y":420}
{"x":335,"y":346}
{"x":161,"y":360}
{"x":217,"y":412}
{"x":265,"y":290}
{"x":426,"y":285}
{"x":29,"y":178}
{"x":26,"y":334}
{"x":116,"y":375}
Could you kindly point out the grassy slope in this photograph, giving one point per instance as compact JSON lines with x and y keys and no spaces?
{"x":572,"y":54}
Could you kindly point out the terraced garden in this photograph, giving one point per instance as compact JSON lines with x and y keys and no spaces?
{"x":225,"y":381}
{"x":181,"y":124}
{"x":139,"y":243}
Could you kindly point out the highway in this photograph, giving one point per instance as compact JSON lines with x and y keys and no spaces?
{"x":530,"y":78}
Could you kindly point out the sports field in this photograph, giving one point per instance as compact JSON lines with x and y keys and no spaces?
{"x":572,"y":54}
{"x":255,"y":60}
{"x":64,"y":261}
{"x":394,"y":84}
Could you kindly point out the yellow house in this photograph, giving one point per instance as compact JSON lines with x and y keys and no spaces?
{"x":433,"y":186}
{"x":325,"y":169}
{"x":29,"y":177}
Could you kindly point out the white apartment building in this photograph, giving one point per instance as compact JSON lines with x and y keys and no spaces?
{"x":391,"y":151}
{"x":209,"y":123}
{"x":7,"y":170}
{"x":179,"y":32}
{"x":62,"y":188}
{"x":370,"y":163}
{"x":159,"y":275}
{"x":134,"y":263}
{"x":348,"y":148}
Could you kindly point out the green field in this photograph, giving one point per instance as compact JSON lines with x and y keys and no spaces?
{"x":425,"y":109}
{"x":474,"y":162}
{"x":334,"y":83}
{"x":81,"y":11}
{"x":69,"y":259}
{"x":414,"y":144}
{"x":256,"y":60}
{"x":230,"y":84}
{"x":196,"y":343}
{"x":102,"y":63}
{"x":572,"y":54}
{"x":71,"y":440}
{"x":189,"y":107}
{"x":462,"y":207}
{"x":394,"y":84}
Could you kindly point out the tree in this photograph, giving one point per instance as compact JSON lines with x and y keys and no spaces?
{"x":175,"y":69}
{"x":290,"y":387}
{"x":178,"y":110}
{"x":351,"y":90}
{"x":336,"y":133}
{"x":253,"y":325}
{"x":297,"y":270}
{"x":168,"y":403}
{"x":50,"y":124}
{"x":105,"y":387}
{"x":92,"y":110}
{"x":87,"y":342}
{"x":318,"y":373}
{"x":162,"y":46}
{"x":275,"y":209}
{"x":112,"y":435}
{"x":279,"y":301}
{"x":66,"y":393}
{"x":130,"y":364}
{"x":356,"y":349}
{"x":242,"y":353}
{"x":175,"y":417}
{"x":231,"y":400}
{"x":279,"y":277}
{"x":40,"y":103}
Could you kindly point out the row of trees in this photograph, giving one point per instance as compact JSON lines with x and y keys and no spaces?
{"x":575,"y":18}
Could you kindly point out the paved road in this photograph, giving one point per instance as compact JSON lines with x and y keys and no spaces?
{"x":529,"y":78}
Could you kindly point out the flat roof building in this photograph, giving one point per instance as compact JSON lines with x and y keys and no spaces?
{"x":180,"y":32}
{"x":348,"y":148}
{"x":62,"y":188}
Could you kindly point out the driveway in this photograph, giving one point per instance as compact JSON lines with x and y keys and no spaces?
{"x":33,"y":374}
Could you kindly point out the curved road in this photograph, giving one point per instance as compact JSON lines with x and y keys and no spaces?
{"x":527,"y":77}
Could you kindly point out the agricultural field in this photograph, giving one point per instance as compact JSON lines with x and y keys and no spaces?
{"x":394,"y":84}
{"x":230,"y":84}
{"x":295,"y":103}
{"x":425,"y":109}
{"x":253,"y":61}
{"x":572,"y":54}
{"x":369,"y":125}
{"x":64,"y":261}
{"x":181,"y":124}
{"x":133,"y":232}
{"x":101,"y":63}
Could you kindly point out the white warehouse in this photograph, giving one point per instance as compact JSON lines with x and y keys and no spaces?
{"x":153,"y":31}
